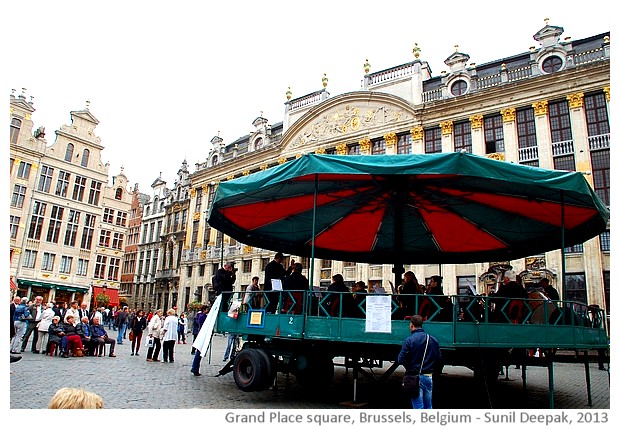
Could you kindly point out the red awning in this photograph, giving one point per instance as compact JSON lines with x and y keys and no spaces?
{"x":13,"y":286}
{"x":112,"y":293}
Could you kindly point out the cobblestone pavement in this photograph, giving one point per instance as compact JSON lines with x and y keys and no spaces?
{"x":129,"y":382}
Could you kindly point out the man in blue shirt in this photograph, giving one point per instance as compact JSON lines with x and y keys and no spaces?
{"x":420,"y":354}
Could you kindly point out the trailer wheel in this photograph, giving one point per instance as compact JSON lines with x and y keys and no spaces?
{"x":270,"y":370}
{"x":250,"y":370}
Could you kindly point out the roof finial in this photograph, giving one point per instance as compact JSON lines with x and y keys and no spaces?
{"x":324,"y":80}
{"x":456,"y":48}
{"x":546,"y":21}
{"x":87,"y":104}
{"x":366,"y":66}
{"x":416,"y":50}
{"x":289,"y":93}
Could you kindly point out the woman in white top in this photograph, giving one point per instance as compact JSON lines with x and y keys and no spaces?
{"x":154,"y":330}
{"x":169,"y":335}
{"x":43,"y":326}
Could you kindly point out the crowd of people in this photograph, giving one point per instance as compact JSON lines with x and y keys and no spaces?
{"x":74,"y":330}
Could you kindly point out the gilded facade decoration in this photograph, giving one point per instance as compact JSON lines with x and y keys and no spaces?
{"x":196,"y":216}
{"x":203,"y":254}
{"x":230,"y":177}
{"x":390,"y":139}
{"x":248,"y":249}
{"x":341,"y":149}
{"x":606,"y":91}
{"x":498,"y":156}
{"x":446,"y":127}
{"x":192,"y":192}
{"x":246,"y":172}
{"x":264,"y":167}
{"x":341,"y":120}
{"x":535,"y":263}
{"x":476,"y":121}
{"x":540,"y":107}
{"x":320,"y":151}
{"x":575,"y":100}
{"x":281,"y":160}
{"x":417,"y":133}
{"x":365,"y":145}
{"x":508,"y":115}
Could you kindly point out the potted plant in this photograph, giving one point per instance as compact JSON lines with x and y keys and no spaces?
{"x":102,"y":300}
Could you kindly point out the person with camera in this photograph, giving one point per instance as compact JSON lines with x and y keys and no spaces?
{"x":225,"y":279}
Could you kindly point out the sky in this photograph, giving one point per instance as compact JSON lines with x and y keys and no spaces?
{"x":163,"y":78}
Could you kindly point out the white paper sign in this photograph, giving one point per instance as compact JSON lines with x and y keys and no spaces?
{"x":378,"y":313}
{"x":276,"y":284}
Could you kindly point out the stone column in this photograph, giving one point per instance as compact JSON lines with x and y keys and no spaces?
{"x":477,"y":135}
{"x":543,"y":134}
{"x":511,"y":140}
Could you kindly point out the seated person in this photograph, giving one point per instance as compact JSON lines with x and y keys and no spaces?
{"x":71,"y":341}
{"x":434,"y":288}
{"x":359,"y":299}
{"x":83,"y":330}
{"x":100,"y":337}
{"x":410,"y":288}
{"x":296,"y":281}
{"x":55,"y":334}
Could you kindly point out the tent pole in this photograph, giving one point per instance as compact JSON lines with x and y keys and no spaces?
{"x":316,"y":186}
{"x":563,"y":250}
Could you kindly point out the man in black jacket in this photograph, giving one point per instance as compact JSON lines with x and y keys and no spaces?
{"x":274,"y":270}
{"x":225,"y":279}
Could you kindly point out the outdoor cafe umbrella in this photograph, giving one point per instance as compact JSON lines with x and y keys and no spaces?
{"x":417,"y":209}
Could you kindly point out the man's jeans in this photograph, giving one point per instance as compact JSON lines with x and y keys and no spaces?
{"x":121,"y":333}
{"x":425,"y":399}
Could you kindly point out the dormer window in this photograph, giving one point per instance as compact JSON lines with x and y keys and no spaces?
{"x":119,"y":194}
{"x":258,"y":144}
{"x":552,"y":64}
{"x":458,"y":88}
{"x":214,"y":161}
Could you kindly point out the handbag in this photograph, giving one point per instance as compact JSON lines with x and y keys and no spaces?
{"x":411,"y":382}
{"x":130,"y":335}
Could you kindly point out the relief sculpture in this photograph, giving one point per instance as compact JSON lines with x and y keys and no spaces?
{"x":340,"y":121}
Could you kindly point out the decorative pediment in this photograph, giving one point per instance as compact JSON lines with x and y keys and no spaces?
{"x":347,"y":117}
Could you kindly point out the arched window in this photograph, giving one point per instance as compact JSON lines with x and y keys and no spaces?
{"x":69,"y":152}
{"x":16,"y":126}
{"x":85,"y":156}
{"x":214,"y":161}
{"x":258,"y":144}
{"x":552,"y":64}
{"x":119,"y":194}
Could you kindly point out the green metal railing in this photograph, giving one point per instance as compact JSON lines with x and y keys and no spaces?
{"x":456,"y":320}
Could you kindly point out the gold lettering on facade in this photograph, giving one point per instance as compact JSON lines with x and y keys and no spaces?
{"x":540,"y":107}
{"x":575,"y":100}
{"x":390,"y":139}
{"x":476,"y":122}
{"x":446,"y":127}
{"x":365,"y":146}
{"x":417,"y":133}
{"x":508,"y":115}
{"x":341,"y":149}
